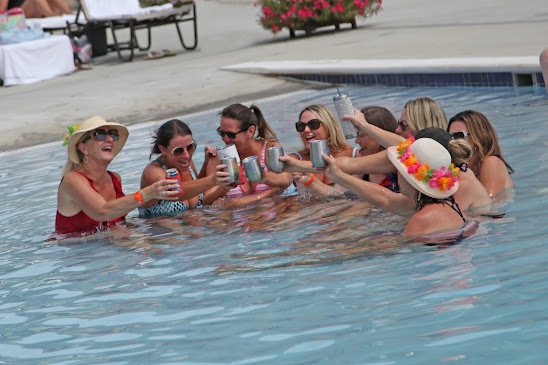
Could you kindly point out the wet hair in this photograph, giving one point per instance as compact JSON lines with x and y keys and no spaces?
{"x":380,"y":117}
{"x":252,"y":116}
{"x":425,"y":112}
{"x":336,"y":140}
{"x":167,"y":131}
{"x":422,"y":200}
{"x":484,"y":136}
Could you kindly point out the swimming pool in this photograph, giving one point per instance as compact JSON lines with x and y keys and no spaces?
{"x":275,"y":284}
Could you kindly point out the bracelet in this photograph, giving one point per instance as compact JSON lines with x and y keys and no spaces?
{"x":310,"y":181}
{"x":138,"y":196}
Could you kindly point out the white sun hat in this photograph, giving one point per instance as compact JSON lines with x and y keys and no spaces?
{"x":427,"y":166}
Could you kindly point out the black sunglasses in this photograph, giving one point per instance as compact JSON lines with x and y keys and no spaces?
{"x":402,"y":125}
{"x":312,"y":124}
{"x":230,"y":135}
{"x":178,"y":151}
{"x":101,"y":134}
{"x":459,"y":135}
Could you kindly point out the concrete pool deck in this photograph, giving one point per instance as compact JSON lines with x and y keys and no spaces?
{"x":404,"y":33}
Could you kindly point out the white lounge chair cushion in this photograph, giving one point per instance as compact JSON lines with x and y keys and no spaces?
{"x":97,"y":10}
{"x":53,"y":22}
{"x":41,"y":59}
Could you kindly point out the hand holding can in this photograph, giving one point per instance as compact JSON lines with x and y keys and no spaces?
{"x":317,"y":148}
{"x":343,"y":105}
{"x":253,"y":169}
{"x":273,"y":159}
{"x":173,"y":174}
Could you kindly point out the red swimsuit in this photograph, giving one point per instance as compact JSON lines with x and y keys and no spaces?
{"x":81,"y":222}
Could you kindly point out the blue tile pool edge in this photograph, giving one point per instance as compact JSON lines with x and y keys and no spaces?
{"x":492,"y":72}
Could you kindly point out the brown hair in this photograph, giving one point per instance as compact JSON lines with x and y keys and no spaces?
{"x":380,"y":117}
{"x":248,"y":117}
{"x":163,"y":135}
{"x":484,"y":136}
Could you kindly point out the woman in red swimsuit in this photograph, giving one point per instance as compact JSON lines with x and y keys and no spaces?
{"x":90,"y":198}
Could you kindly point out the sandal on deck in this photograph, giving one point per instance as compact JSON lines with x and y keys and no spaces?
{"x":153,"y":55}
{"x":168,"y":53}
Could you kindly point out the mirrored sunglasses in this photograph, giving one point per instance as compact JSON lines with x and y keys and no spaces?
{"x":312,"y":124}
{"x":230,"y":135}
{"x":459,"y":135}
{"x":101,"y":134}
{"x":178,"y":151}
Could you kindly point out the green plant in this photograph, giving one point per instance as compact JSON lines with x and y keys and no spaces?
{"x":297,"y":14}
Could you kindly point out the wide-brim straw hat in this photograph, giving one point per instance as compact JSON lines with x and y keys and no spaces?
{"x":427,"y":152}
{"x":92,"y":124}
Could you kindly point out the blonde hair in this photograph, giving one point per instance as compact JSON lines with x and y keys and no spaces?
{"x":460,"y":150}
{"x":336,"y":140}
{"x":70,"y":165}
{"x":425,"y":112}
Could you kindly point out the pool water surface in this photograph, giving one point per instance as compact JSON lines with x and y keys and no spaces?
{"x":286,"y":281}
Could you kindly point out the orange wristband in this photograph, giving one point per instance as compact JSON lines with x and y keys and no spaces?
{"x":138,"y":196}
{"x":310,"y":181}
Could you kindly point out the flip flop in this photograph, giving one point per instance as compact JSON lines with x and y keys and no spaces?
{"x":153,"y":55}
{"x":168,"y":53}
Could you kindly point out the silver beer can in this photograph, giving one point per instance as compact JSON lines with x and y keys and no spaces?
{"x":232,"y":169}
{"x":343,"y":105}
{"x":253,"y":169}
{"x":273,"y":159}
{"x":317,"y":148}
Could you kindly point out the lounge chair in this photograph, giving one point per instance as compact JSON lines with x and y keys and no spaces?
{"x":129,"y":15}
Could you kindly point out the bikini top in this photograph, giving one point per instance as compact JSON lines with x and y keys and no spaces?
{"x":454,"y":206}
{"x":238,"y":192}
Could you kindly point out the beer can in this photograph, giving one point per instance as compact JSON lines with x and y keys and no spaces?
{"x":174,"y":175}
{"x":253,"y":169}
{"x":273,"y":159}
{"x":317,"y":148}
{"x":343,"y":105}
{"x":228,"y":151}
{"x":232,"y":169}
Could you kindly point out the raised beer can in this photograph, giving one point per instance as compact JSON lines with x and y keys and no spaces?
{"x":253,"y":169}
{"x":273,"y":159}
{"x":228,"y":151}
{"x":317,"y":148}
{"x":174,"y":175}
{"x":343,"y":105}
{"x":232,"y":169}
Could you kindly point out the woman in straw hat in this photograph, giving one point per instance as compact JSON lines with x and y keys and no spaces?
{"x":90,"y":198}
{"x":425,"y":176}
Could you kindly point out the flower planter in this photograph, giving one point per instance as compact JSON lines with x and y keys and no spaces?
{"x":312,"y":25}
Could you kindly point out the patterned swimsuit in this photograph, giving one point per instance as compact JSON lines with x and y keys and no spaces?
{"x":167,"y":207}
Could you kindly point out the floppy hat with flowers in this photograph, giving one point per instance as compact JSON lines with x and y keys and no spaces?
{"x":426,"y":165}
{"x":76,"y":132}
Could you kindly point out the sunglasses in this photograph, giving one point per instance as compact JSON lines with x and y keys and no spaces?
{"x":459,"y":135}
{"x":230,"y":135}
{"x":312,"y":124}
{"x":178,"y":151}
{"x":402,"y":125}
{"x":101,"y":134}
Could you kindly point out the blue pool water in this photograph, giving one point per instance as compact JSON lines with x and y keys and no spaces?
{"x":283,"y":282}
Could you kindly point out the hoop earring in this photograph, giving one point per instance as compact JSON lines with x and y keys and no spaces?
{"x":85,"y":160}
